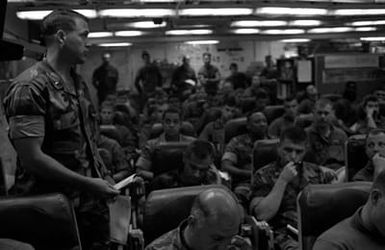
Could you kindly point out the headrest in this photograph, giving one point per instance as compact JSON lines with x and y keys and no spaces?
{"x":235,"y":127}
{"x":45,"y":221}
{"x":322,"y":206}
{"x":186,"y":128}
{"x":355,"y":154}
{"x":332,"y":97}
{"x":166,"y":209}
{"x":156,"y":130}
{"x":168,"y":156}
{"x":264,"y":152}
{"x":273,"y":111}
{"x":111,"y":132}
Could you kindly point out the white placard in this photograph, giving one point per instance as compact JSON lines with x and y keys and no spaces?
{"x":304,"y":70}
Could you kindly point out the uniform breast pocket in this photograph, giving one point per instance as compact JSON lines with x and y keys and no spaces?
{"x":66,"y":121}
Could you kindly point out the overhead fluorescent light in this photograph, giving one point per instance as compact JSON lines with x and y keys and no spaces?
{"x":291,"y":11}
{"x":130,"y":13}
{"x":296,"y":40}
{"x":203,"y":42}
{"x":256,"y":23}
{"x":40,"y":14}
{"x":188,"y":32}
{"x":114,"y":44}
{"x":305,"y":23}
{"x":358,"y":12}
{"x":128,"y":33}
{"x":374,"y":39}
{"x":216,"y":12}
{"x":158,"y":1}
{"x":146,"y":25}
{"x":283,"y":31}
{"x":363,"y":29}
{"x":246,"y":31}
{"x":368,"y":23}
{"x":100,"y":34}
{"x":331,"y":30}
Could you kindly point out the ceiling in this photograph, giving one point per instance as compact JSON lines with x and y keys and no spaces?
{"x":347,"y":19}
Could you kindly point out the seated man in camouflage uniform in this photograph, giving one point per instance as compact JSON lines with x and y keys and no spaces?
{"x":198,"y":169}
{"x":171,"y":123}
{"x":326,"y":142}
{"x":237,"y":159}
{"x":214,"y":220}
{"x":375,"y":150}
{"x":275,"y":187}
{"x":52,"y":126}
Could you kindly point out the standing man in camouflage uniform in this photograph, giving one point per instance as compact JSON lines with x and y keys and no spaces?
{"x":275,"y":187}
{"x":52,"y":125}
{"x":209,"y":75}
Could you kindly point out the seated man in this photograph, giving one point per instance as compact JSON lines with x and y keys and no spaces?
{"x":368,"y":116}
{"x":374,"y":148}
{"x":364,"y":230}
{"x":286,"y":120}
{"x":237,"y":159}
{"x":326,"y":142}
{"x":198,"y":169}
{"x":213,"y":222}
{"x":171,"y":124}
{"x":276,"y":186}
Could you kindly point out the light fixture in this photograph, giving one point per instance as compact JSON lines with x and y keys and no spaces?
{"x":158,"y":1}
{"x":146,"y":25}
{"x":305,"y":23}
{"x":126,"y":33}
{"x":373,"y":39}
{"x":246,"y":31}
{"x":331,"y":30}
{"x":367,"y":23}
{"x":40,"y":14}
{"x":358,"y":12}
{"x":256,"y":23}
{"x":291,"y":11}
{"x":100,"y":34}
{"x":130,"y":13}
{"x":203,"y":42}
{"x":283,"y":31}
{"x":188,"y":32}
{"x":363,"y":29}
{"x":296,"y":40}
{"x":114,"y":44}
{"x":215,"y":12}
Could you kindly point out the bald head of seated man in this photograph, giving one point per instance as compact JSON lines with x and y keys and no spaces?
{"x":214,"y":220}
{"x":365,"y":229}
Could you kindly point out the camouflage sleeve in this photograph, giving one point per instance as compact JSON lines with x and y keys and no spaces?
{"x":261,"y":186}
{"x":25,"y":108}
{"x":231,"y":151}
{"x":328,"y":175}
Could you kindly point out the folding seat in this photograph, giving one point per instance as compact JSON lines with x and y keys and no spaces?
{"x":322,"y":206}
{"x":273,"y":111}
{"x":355,"y":156}
{"x":264,"y":152}
{"x":235,"y":127}
{"x":186,"y":129}
{"x":111,"y":131}
{"x":168,"y":156}
{"x":46,"y":222}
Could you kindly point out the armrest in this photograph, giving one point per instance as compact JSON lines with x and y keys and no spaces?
{"x":262,"y":234}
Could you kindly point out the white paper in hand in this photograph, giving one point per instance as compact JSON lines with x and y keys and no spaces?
{"x":123,"y":183}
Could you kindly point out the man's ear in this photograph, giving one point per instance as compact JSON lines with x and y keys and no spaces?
{"x":60,"y":36}
{"x":375,"y":196}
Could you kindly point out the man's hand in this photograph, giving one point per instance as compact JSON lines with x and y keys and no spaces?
{"x":378,"y":163}
{"x":288,"y":173}
{"x":102,"y":188}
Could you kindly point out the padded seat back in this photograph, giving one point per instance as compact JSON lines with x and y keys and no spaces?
{"x":46,"y":222}
{"x":355,"y":155}
{"x":322,"y":206}
{"x":264,"y":152}
{"x":111,"y":131}
{"x":186,"y":129}
{"x":166,"y":209}
{"x":235,"y":127}
{"x":272,"y":112}
{"x":168,"y":156}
